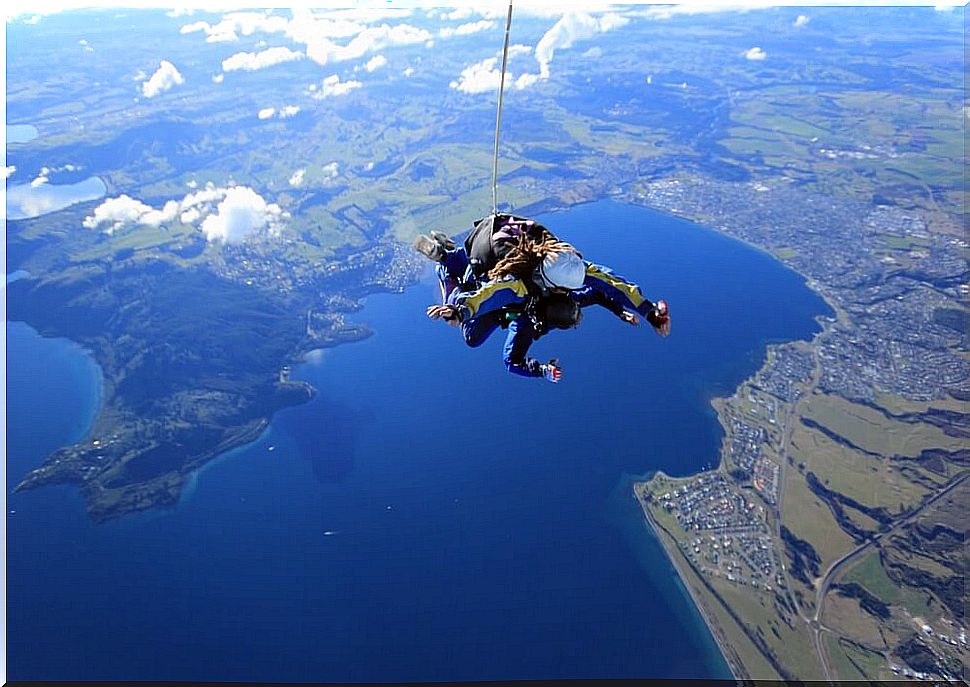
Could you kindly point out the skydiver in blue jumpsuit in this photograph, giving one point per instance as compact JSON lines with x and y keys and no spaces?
{"x":561,"y":285}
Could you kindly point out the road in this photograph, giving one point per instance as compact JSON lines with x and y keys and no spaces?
{"x":836,"y":567}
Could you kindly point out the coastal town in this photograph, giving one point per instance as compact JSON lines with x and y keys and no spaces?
{"x":898,"y":331}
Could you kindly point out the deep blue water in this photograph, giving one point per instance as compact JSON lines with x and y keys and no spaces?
{"x":481,"y":525}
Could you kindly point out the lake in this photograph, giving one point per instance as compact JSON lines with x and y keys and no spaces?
{"x":427,"y":516}
{"x":26,"y":201}
{"x":21,"y":133}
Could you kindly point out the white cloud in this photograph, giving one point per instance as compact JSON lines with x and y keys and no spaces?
{"x":40,"y":180}
{"x":10,"y":169}
{"x":479,"y":77}
{"x":232,"y":24}
{"x":218,"y":78}
{"x":524,"y":81}
{"x":242,"y":213}
{"x":197,"y":26}
{"x":222,"y":37}
{"x":485,"y":76}
{"x":459,"y":14}
{"x":408,"y":72}
{"x":331,"y":171}
{"x":283,"y":113}
{"x":297,"y":178}
{"x":572,"y":27}
{"x":375,"y":62}
{"x":250,"y":61}
{"x":126,"y":211}
{"x":755,"y":53}
{"x":466,"y":29}
{"x":333,"y":86}
{"x":226,"y":214}
{"x":371,"y":39}
{"x":802,"y":20}
{"x":593,"y":53}
{"x":165,"y":77}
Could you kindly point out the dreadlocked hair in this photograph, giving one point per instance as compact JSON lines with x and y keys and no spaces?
{"x":525,"y":256}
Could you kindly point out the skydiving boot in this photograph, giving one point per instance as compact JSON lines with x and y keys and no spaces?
{"x":443,"y":239}
{"x":431,"y":249}
{"x":434,"y":246}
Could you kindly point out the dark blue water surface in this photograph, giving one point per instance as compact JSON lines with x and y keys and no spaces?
{"x":480,"y":525}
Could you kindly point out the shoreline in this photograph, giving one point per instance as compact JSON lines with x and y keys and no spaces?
{"x":713,"y":626}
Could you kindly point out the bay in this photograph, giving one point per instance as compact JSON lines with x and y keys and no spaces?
{"x":427,"y":516}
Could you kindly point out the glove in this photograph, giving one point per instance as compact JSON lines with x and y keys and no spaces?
{"x":551,"y":371}
{"x":659,"y":318}
{"x":448,"y":313}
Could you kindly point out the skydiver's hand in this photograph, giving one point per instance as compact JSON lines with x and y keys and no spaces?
{"x":630,"y":318}
{"x":448,"y":313}
{"x":551,"y":371}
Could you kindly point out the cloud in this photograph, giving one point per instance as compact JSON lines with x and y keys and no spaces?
{"x":226,"y":214}
{"x":479,"y":77}
{"x":126,"y":211}
{"x":574,"y":26}
{"x":593,"y":53}
{"x":242,"y":213}
{"x":375,"y":62}
{"x":218,"y":78}
{"x":332,"y":86}
{"x":408,"y":72}
{"x":10,"y":169}
{"x":466,"y":29}
{"x":524,"y":81}
{"x":283,"y":113}
{"x":224,"y":37}
{"x":165,"y":77}
{"x":235,"y":23}
{"x":484,"y":76}
{"x":197,"y":26}
{"x":331,"y":171}
{"x":802,"y":20}
{"x":755,"y":53}
{"x":372,"y":39}
{"x":297,"y":178}
{"x":251,"y":61}
{"x":459,"y":14}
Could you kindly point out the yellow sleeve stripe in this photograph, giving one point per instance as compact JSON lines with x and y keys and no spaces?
{"x":631,"y":291}
{"x":516,"y":291}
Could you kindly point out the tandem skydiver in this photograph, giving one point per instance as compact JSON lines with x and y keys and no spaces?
{"x":513,"y":272}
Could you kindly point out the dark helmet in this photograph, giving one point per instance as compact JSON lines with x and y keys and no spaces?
{"x":559,"y":310}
